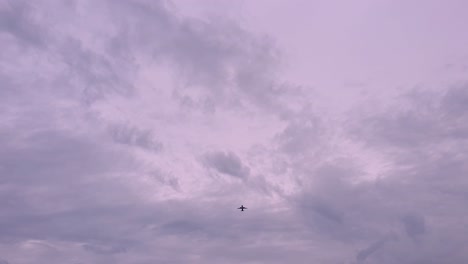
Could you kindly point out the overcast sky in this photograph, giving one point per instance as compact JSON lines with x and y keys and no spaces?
{"x":131,"y":130}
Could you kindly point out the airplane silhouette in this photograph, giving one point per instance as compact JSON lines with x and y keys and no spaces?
{"x":242,"y":208}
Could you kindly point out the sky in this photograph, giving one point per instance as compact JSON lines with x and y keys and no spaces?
{"x":132,"y":130}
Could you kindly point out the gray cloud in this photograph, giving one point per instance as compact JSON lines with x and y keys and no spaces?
{"x":455,"y":101}
{"x":64,"y":182}
{"x":166,"y":179}
{"x":51,"y":155}
{"x":300,"y":136}
{"x":104,"y":250}
{"x":93,"y":75}
{"x":426,"y":176}
{"x":227,"y":163}
{"x":429,"y":116}
{"x":132,"y":136}
{"x":58,"y":166}
{"x":216,"y":57}
{"x":414,"y":225}
{"x":365,"y":253}
{"x":73,"y":189}
{"x":17,"y":19}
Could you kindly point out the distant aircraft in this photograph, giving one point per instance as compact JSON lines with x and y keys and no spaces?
{"x":242,"y":208}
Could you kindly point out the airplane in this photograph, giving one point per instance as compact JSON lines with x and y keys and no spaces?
{"x":242,"y":208}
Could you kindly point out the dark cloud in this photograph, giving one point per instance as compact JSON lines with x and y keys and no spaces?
{"x":228,"y":163}
{"x":133,"y":136}
{"x":455,"y":101}
{"x":328,"y":212}
{"x":299,"y":137}
{"x":17,"y":20}
{"x":166,"y":179}
{"x":365,"y":253}
{"x":414,"y":225}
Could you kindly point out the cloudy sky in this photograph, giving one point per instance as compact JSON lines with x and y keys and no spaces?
{"x":131,"y":130}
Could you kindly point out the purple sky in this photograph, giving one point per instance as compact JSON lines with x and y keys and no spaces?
{"x":130,"y":131}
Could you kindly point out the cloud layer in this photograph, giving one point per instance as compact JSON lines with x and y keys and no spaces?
{"x":130,"y":132}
